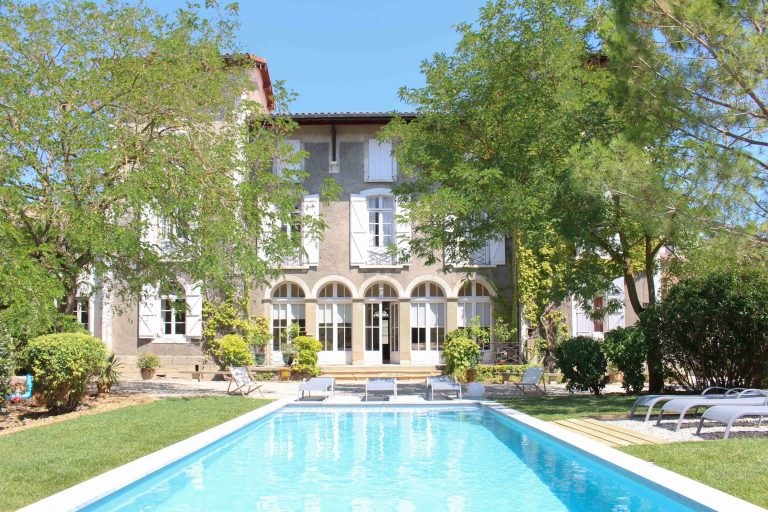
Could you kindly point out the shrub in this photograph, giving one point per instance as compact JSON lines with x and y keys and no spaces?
{"x":147,"y":361}
{"x":489,"y":373}
{"x":305,"y":360}
{"x":62,"y":365}
{"x":460,"y":353}
{"x":583,"y":364}
{"x":627,"y":350}
{"x":713,"y":330}
{"x":233,"y":350}
{"x":6,"y":367}
{"x":109,"y":374}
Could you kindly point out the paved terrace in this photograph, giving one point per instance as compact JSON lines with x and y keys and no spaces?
{"x":610,"y":431}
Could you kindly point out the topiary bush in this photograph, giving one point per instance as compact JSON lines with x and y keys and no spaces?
{"x":232,"y":350}
{"x":583,"y":363}
{"x":627,"y":350}
{"x":305,"y":360}
{"x":713,"y":330}
{"x":461,"y":354}
{"x":63,"y":364}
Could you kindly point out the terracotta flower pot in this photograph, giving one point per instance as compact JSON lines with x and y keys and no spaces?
{"x":147,"y":373}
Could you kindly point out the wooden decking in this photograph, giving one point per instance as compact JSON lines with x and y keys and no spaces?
{"x":606,"y":433}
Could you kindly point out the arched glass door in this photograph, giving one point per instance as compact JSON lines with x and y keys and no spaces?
{"x":382,"y":342}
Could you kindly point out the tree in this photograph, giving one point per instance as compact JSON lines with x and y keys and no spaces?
{"x":497,"y":119}
{"x":700,"y":67}
{"x":130,"y":153}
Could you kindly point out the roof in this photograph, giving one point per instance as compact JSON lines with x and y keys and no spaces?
{"x":305,"y":118}
{"x":260,"y":63}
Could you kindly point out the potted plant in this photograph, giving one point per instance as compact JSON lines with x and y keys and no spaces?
{"x":109,"y":375}
{"x":148,"y":363}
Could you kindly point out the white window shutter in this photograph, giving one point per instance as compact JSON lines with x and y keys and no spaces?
{"x":311,"y":208}
{"x":496,"y":251}
{"x":194,"y":314}
{"x":280,"y":165}
{"x":149,"y":313}
{"x":402,"y":231}
{"x":358,"y":230}
{"x":381,"y":165}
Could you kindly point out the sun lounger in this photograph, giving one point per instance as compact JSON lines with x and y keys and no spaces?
{"x":324,"y":384}
{"x":243,"y":381}
{"x":442,"y":383}
{"x":728,"y":414}
{"x":380,"y":384}
{"x":684,"y":405}
{"x":650,"y":401}
{"x":530,"y":379}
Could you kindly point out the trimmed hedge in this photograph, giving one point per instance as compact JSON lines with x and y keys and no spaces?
{"x":63,"y":364}
{"x":583,"y":363}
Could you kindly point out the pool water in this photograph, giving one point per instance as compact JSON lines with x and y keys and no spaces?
{"x":347,"y":459}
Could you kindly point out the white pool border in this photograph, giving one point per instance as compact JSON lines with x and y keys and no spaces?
{"x":662,"y":480}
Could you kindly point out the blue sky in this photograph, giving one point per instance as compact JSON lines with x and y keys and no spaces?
{"x":347,"y":55}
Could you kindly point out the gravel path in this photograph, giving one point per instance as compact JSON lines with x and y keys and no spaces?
{"x":666,"y":431}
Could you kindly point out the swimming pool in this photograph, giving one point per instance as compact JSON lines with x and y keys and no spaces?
{"x":403,"y":458}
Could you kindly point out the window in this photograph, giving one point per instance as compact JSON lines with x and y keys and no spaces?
{"x":81,"y":312}
{"x":381,"y":221}
{"x":475,"y":302}
{"x":287,"y":309}
{"x":283,"y":166}
{"x":427,"y":317}
{"x":334,"y":317}
{"x":173,"y":311}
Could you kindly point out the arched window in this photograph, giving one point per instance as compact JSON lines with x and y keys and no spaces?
{"x":173,"y":309}
{"x":475,"y":302}
{"x":381,"y":291}
{"x":287,"y":309}
{"x":334,"y":317}
{"x":427,"y":317}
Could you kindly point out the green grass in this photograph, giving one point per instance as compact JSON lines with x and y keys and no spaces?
{"x":38,"y":462}
{"x":735,"y":466}
{"x":551,"y":408}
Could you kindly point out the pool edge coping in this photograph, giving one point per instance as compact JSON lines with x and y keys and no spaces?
{"x":94,"y":489}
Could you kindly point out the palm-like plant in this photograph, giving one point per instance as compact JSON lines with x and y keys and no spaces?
{"x":109,"y":375}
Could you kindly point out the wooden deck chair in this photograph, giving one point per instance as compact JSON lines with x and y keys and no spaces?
{"x":530,"y":379}
{"x":243,"y":381}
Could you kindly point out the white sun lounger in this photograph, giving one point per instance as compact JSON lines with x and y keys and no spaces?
{"x":683,"y":405}
{"x":324,"y":384}
{"x":380,"y":384}
{"x":650,"y":401}
{"x":728,"y":414}
{"x":442,"y":383}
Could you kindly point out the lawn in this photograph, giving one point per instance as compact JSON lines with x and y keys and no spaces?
{"x":735,"y":466}
{"x":41,"y":461}
{"x":576,"y":406}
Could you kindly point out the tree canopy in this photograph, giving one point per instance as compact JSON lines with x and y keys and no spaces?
{"x":131,"y":151}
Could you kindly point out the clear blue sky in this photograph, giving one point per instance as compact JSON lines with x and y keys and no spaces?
{"x":347,"y":55}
